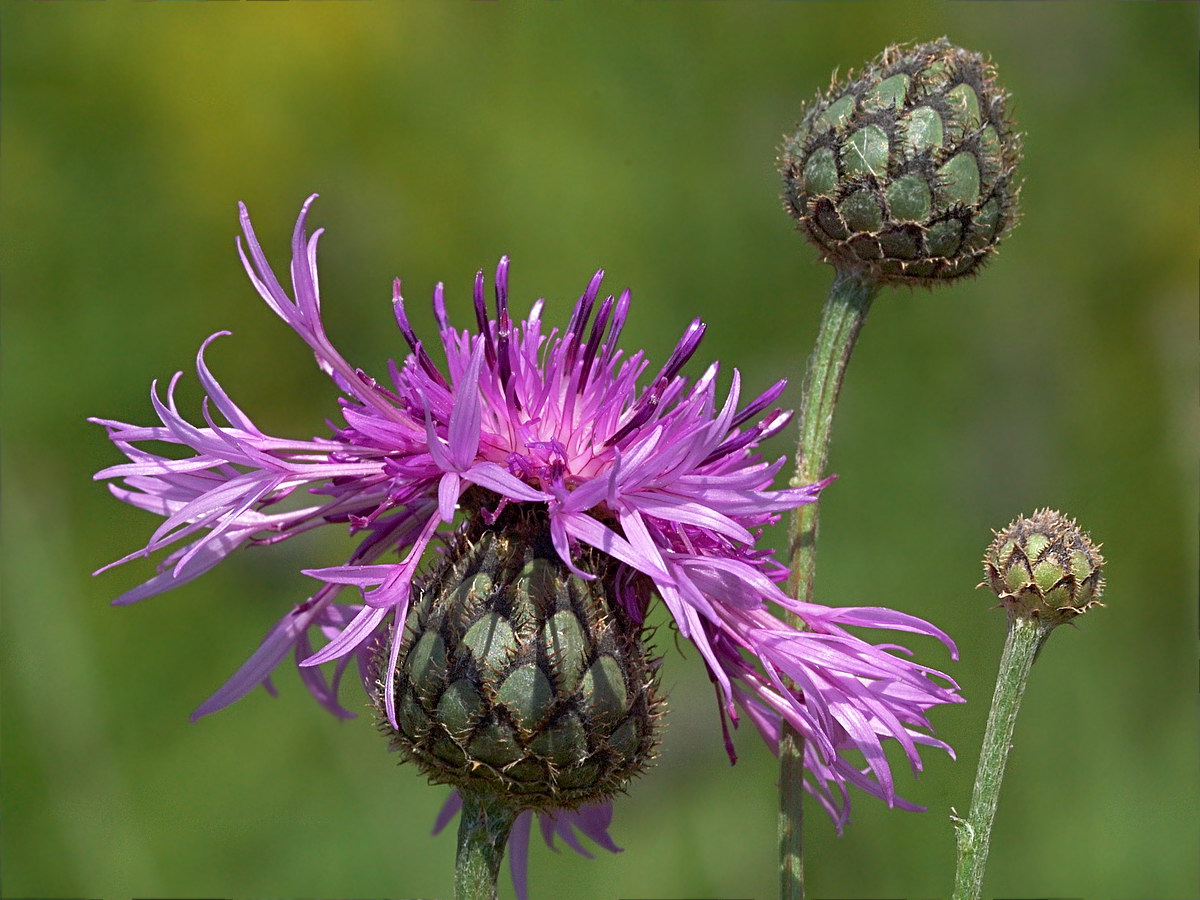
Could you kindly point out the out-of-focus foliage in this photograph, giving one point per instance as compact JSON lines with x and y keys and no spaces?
{"x":640,"y":137}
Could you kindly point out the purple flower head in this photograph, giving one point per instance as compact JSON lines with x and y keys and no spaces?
{"x":661,"y":477}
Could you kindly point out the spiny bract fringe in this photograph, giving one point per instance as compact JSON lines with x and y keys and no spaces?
{"x":1044,"y":567}
{"x":517,"y":678}
{"x":905,"y":172}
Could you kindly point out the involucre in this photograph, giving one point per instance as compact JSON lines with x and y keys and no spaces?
{"x":519,"y":679}
{"x":904,"y":172}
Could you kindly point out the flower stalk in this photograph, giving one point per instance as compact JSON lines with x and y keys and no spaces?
{"x":482,"y":836}
{"x":842,"y":319}
{"x":1046,"y":572}
{"x":899,"y":174}
{"x":974,"y":834}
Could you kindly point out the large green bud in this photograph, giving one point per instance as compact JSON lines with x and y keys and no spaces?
{"x":904,"y":172}
{"x":518,"y":680}
{"x":1043,"y":567}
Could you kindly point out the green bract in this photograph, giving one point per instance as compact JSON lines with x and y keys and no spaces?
{"x":905,"y":171}
{"x":519,"y":680}
{"x":1044,"y":567}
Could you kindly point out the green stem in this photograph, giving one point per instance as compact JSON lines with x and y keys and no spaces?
{"x":843,"y":317}
{"x":482,"y":834}
{"x":1025,"y":638}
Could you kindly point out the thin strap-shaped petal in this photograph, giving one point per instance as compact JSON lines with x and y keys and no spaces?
{"x":213,"y":389}
{"x":518,"y":853}
{"x":465,"y":417}
{"x":277,"y":643}
{"x":353,"y":635}
{"x":449,"y":810}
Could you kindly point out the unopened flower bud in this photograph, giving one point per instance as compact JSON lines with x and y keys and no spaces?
{"x":904,"y":172}
{"x":519,"y":680}
{"x":1044,"y":567}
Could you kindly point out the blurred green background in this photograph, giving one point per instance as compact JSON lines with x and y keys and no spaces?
{"x":640,"y":137}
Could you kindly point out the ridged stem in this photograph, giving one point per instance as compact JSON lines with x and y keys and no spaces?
{"x":482,"y":835}
{"x":843,"y":317}
{"x":1025,"y":638}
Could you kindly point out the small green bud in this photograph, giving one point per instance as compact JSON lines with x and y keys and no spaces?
{"x":519,"y":680}
{"x":904,"y":172}
{"x":1044,"y":567}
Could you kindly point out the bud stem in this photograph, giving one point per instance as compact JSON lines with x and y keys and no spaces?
{"x":841,"y":320}
{"x":1026,"y":634}
{"x":482,"y":835}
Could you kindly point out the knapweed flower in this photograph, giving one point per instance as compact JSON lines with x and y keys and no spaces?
{"x":551,"y":499}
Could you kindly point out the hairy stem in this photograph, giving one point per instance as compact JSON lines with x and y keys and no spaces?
{"x":482,"y":834}
{"x":843,"y":317}
{"x":1025,"y":638}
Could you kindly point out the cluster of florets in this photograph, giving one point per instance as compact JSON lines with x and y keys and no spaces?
{"x":635,"y":491}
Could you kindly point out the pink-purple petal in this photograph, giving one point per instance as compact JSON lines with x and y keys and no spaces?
{"x":518,"y":853}
{"x":277,"y":643}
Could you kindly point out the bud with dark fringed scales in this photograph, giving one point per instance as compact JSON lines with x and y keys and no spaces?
{"x":904,"y":172}
{"x":1044,"y":567}
{"x":520,"y":679}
